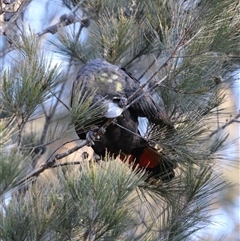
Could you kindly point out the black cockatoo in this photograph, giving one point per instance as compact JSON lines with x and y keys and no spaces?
{"x":114,"y":86}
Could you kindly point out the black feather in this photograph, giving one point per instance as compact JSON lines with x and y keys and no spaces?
{"x":109,"y":81}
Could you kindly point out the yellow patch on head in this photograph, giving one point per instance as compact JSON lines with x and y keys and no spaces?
{"x":114,"y":76}
{"x":104,"y":74}
{"x":119,"y":87}
{"x":104,"y":77}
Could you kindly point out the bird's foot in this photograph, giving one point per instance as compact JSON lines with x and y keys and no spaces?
{"x":91,"y":138}
{"x":101,"y":131}
{"x":122,"y":101}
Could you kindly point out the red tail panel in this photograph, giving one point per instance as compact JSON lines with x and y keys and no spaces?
{"x":148,"y":159}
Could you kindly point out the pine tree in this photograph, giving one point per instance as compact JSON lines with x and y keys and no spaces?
{"x":181,"y":51}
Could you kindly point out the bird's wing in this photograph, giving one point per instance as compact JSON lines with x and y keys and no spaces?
{"x":110,"y":81}
{"x":145,"y":106}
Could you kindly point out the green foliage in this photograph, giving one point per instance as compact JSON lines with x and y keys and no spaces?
{"x":13,"y":166}
{"x":121,"y":32}
{"x":85,"y":204}
{"x":183,"y":54}
{"x":68,"y":46}
{"x":104,"y":197}
{"x":29,"y":213}
{"x":84,"y":113}
{"x":29,"y":80}
{"x":182,"y":206}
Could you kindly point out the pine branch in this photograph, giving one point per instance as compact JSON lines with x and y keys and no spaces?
{"x":235,"y":119}
{"x":22,"y":6}
{"x":186,"y":90}
{"x":48,"y":117}
{"x":50,"y":163}
{"x":179,"y":45}
{"x":65,"y":20}
{"x":5,"y":30}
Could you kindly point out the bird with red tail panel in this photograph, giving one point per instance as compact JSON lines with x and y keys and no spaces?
{"x":113,"y":86}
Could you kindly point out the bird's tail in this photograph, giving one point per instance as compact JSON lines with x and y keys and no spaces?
{"x":156,"y":164}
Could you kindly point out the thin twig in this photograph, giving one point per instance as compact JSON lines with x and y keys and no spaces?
{"x":48,"y":143}
{"x":149,"y":67}
{"x":140,"y":96}
{"x":79,"y":33}
{"x":66,"y":164}
{"x":126,"y":129}
{"x":21,"y":8}
{"x":7,"y":26}
{"x":69,"y":19}
{"x":49,"y":116}
{"x":157,"y":71}
{"x":235,"y":119}
{"x":65,"y":20}
{"x":51,"y":161}
{"x":77,"y":6}
{"x":58,"y":98}
{"x":1,"y":8}
{"x":178,"y":45}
